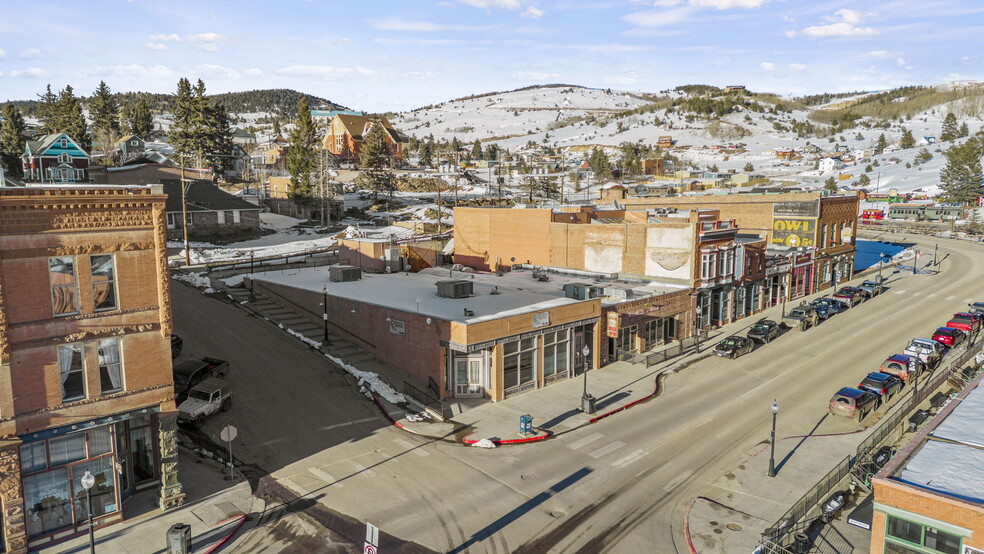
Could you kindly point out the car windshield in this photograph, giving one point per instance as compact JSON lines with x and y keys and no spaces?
{"x":797,"y":313}
{"x":198,"y":394}
{"x":181,"y":378}
{"x":729,"y":342}
{"x":760,"y":327}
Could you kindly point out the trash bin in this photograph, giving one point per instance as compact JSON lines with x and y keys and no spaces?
{"x":179,"y":539}
{"x":588,"y":404}
{"x":801,"y":543}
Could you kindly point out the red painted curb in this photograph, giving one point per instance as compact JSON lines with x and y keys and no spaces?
{"x":221,"y":543}
{"x":686,"y":526}
{"x":546,"y":434}
{"x":629,"y":405}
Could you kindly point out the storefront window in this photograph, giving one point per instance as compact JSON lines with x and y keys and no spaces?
{"x":626,"y":336}
{"x":555,"y":358}
{"x":103,"y":492}
{"x":519,"y":362}
{"x":654,"y":333}
{"x":68,"y":449}
{"x":33,"y":457}
{"x":48,"y":500}
{"x":142,"y":451}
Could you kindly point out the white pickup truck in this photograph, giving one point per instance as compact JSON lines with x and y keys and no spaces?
{"x":927,"y":350}
{"x":204,"y":399}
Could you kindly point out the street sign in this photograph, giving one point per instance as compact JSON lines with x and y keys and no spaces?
{"x":228,"y":433}
{"x":372,"y":539}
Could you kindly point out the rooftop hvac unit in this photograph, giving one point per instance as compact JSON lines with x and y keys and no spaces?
{"x":618,"y":292}
{"x":340,"y":273}
{"x":580,"y":291}
{"x":455,"y":288}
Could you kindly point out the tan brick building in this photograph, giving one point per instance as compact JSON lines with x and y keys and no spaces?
{"x":346,"y":133}
{"x":85,"y":365}
{"x":930,"y":496}
{"x":787,"y":220}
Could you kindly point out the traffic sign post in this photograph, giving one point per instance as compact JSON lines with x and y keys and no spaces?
{"x":228,"y":433}
{"x":372,"y":539}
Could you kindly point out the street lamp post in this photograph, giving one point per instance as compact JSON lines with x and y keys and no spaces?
{"x":324,"y":315}
{"x":586,"y":399}
{"x":936,"y":248}
{"x":772,"y":455}
{"x":251,"y":278}
{"x":88,"y":480}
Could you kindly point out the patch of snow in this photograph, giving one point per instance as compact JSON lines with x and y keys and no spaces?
{"x":196,"y":280}
{"x":371,"y":379}
{"x":484,"y":443}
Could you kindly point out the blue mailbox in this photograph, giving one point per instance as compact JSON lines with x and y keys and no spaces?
{"x":525,"y":424}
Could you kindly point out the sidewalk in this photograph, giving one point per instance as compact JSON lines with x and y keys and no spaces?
{"x":215,"y":509}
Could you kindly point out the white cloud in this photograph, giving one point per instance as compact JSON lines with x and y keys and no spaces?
{"x":156,"y":46}
{"x":165,"y":38}
{"x":397,"y":24}
{"x":667,"y":3}
{"x":657,"y":18}
{"x":208,"y":42}
{"x":338,"y":41}
{"x":797,"y":66}
{"x":790,"y":34}
{"x":532,"y":12}
{"x":128,"y":70}
{"x":728,"y":4}
{"x":507,"y":4}
{"x":876,"y":55}
{"x":1,"y":73}
{"x":418,"y":75}
{"x":964,"y":60}
{"x":627,"y":78}
{"x":29,"y":73}
{"x":768,"y":66}
{"x":212,"y":71}
{"x":902,"y":63}
{"x":323,"y":71}
{"x":534,"y":75}
{"x":253,"y":73}
{"x":29,"y":54}
{"x":844,"y":24}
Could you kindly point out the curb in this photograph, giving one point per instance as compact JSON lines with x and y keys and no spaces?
{"x":630,"y":404}
{"x":499,"y":442}
{"x":221,"y":543}
{"x":686,"y":526}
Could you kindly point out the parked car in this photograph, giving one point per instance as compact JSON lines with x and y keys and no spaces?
{"x":734,"y":346}
{"x":204,"y":399}
{"x":851,"y":402}
{"x":177,"y":343}
{"x":803,"y":316}
{"x":827,"y":307}
{"x":967,"y":322}
{"x":850,"y":296}
{"x":883,"y":384}
{"x":949,"y":336}
{"x":927,"y":350}
{"x":902,"y":366}
{"x":871,"y":289}
{"x":976,"y":308}
{"x":763,"y":331}
{"x":189,"y":373}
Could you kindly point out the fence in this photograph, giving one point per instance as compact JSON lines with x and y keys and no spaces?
{"x":785,"y":525}
{"x":424,"y":398}
{"x":677,"y":349}
{"x":308,"y":259}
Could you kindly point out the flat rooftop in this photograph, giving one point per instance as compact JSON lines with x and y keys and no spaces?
{"x":518,"y":292}
{"x":951,"y":458}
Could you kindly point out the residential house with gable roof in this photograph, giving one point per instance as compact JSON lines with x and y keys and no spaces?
{"x":55,"y":158}
{"x":210,"y":212}
{"x":347,"y":132}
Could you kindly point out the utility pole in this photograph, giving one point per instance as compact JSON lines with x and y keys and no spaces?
{"x":184,"y":210}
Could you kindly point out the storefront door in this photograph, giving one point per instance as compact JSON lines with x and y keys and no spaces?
{"x":468,"y":377}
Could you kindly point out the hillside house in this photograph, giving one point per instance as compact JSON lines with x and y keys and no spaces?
{"x":55,"y":158}
{"x":347,"y":132}
{"x":243,"y":138}
{"x":665,"y":141}
{"x":130,"y":144}
{"x":211,"y":212}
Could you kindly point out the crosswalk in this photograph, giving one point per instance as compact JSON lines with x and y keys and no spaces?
{"x":614,"y":452}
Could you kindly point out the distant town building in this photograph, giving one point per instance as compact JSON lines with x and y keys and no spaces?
{"x":55,"y":158}
{"x":347,"y":132}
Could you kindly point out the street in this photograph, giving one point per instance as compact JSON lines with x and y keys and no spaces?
{"x":619,"y":485}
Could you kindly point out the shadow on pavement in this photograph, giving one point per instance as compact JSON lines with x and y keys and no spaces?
{"x":800,"y":443}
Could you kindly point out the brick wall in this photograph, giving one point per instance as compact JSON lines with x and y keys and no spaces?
{"x":929,"y":504}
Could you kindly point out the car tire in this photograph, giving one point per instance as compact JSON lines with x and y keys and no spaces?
{"x":199,"y":421}
{"x":734,"y":354}
{"x":226,"y":404}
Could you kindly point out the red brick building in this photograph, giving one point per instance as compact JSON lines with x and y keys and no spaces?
{"x":85,"y":365}
{"x":346,"y":134}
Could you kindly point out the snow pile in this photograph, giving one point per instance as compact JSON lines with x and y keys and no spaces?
{"x":484,"y":443}
{"x":372,"y":380}
{"x":302,"y":338}
{"x":242,"y":255}
{"x":196,"y":280}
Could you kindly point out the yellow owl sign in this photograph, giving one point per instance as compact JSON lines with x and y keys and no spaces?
{"x":794,"y":231}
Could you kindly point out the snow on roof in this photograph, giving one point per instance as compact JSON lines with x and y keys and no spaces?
{"x":953,"y":466}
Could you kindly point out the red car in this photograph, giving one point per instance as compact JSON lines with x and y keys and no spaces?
{"x":966,"y":322}
{"x":948,"y":336}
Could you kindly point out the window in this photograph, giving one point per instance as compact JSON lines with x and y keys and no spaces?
{"x":625,"y":342}
{"x":654,"y":333}
{"x":33,"y":457}
{"x":72,"y":372}
{"x":63,"y":143}
{"x":171,"y":224}
{"x":519,"y":363}
{"x":103,"y":282}
{"x":64,"y":158}
{"x":68,"y":449}
{"x":555,"y":347}
{"x":898,"y":529}
{"x":229,"y":218}
{"x":110,"y":366}
{"x":188,"y":219}
{"x":64,"y":291}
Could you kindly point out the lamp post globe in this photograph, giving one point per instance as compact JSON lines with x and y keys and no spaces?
{"x":88,"y":481}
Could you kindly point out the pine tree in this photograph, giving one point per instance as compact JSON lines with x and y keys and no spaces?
{"x":182,"y":134}
{"x":881,"y":144}
{"x":374,"y":161}
{"x":961,"y":177}
{"x":46,"y":110}
{"x":631,"y":163}
{"x":864,"y":180}
{"x":964,"y":130}
{"x":70,"y":119}
{"x":599,"y":164}
{"x":830,"y":184}
{"x":201,"y":128}
{"x":749,"y":168}
{"x":105,"y":114}
{"x":426,"y":153}
{"x":949,"y":131}
{"x":476,"y":150}
{"x":907,"y":140}
{"x":301,"y":158}
{"x":455,"y":144}
{"x":276,"y":127}
{"x":217,"y":144}
{"x":137,"y":118}
{"x":12,"y":140}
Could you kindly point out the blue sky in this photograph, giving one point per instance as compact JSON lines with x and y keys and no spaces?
{"x":385,"y":55}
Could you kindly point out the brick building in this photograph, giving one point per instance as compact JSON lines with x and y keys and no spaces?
{"x":210,"y":212}
{"x":85,"y":365}
{"x":347,"y":132}
{"x":789,"y":221}
{"x":930,"y":496}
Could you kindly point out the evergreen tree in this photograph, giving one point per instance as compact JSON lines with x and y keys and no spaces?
{"x":302,"y":158}
{"x":70,"y":119}
{"x":12,"y":140}
{"x":961,"y":177}
{"x":455,"y":144}
{"x":105,"y":114}
{"x":476,"y":150}
{"x":963,"y":131}
{"x":749,"y":168}
{"x":881,"y":144}
{"x":200,"y":131}
{"x":907,"y":140}
{"x":949,"y":131}
{"x":137,"y":118}
{"x":492,"y":152}
{"x":374,"y":161}
{"x":599,"y":164}
{"x":217,"y":144}
{"x":923,"y":156}
{"x":46,"y":110}
{"x":864,"y":180}
{"x":426,"y":153}
{"x":182,"y":133}
{"x":830,"y":184}
{"x":631,"y":163}
{"x":276,"y":127}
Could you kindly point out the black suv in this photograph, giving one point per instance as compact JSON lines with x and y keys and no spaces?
{"x":763,"y":331}
{"x":177,"y":343}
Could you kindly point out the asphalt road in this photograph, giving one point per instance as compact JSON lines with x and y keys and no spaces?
{"x":616,"y":486}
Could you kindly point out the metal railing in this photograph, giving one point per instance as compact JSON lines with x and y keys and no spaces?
{"x":308,"y":259}
{"x":785,"y":524}
{"x":426,"y":399}
{"x":678,"y":349}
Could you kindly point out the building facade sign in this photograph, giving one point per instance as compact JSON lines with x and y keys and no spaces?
{"x":397,"y":327}
{"x":541,"y":319}
{"x":612,"y":324}
{"x":796,"y":209}
{"x":794,"y":231}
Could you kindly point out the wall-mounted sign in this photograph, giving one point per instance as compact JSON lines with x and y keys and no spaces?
{"x":794,"y":231}
{"x":796,"y":209}
{"x":397,"y":327}
{"x":541,"y":319}
{"x":612,"y":324}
